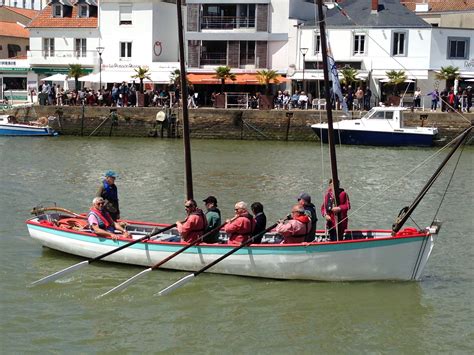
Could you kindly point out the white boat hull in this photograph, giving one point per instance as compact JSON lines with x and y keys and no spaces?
{"x":379,"y":258}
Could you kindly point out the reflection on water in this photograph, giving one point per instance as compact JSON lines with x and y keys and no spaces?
{"x":214,"y":313}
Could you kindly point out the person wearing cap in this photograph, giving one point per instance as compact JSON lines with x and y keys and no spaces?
{"x":260,"y":220}
{"x":241,"y":227}
{"x":296,"y":229}
{"x":304,"y":200}
{"x":102,"y":223}
{"x":194,"y":225}
{"x":108,"y":191}
{"x":329,"y":211}
{"x":213,"y":216}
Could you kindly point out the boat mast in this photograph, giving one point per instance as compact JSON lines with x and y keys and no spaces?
{"x":332,"y":147}
{"x":184,"y":100}
{"x":407,"y":211}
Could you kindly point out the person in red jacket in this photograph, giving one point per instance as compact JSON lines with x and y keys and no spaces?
{"x":241,"y":227}
{"x":330,"y":211}
{"x":195,"y":224}
{"x":296,"y":229}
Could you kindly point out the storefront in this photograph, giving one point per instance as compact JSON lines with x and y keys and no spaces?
{"x":15,"y":76}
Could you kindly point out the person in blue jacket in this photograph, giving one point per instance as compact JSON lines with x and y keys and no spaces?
{"x":108,"y":191}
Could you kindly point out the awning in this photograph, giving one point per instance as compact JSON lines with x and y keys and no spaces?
{"x":54,"y":70}
{"x":386,"y":80}
{"x":57,"y":77}
{"x":410,"y":73}
{"x":240,"y":79}
{"x":467,"y":74}
{"x":107,"y":76}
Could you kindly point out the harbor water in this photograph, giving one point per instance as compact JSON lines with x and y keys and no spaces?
{"x":219,"y":314}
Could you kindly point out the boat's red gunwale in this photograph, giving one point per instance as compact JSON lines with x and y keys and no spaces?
{"x":417,"y":234}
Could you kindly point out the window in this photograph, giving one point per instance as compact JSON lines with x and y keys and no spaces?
{"x":359,"y":44}
{"x":317,"y":43}
{"x":13,"y":50}
{"x":247,"y":52}
{"x":48,"y":47}
{"x":80,"y":47}
{"x":382,"y":115}
{"x":57,"y":10}
{"x":458,"y":48}
{"x":83,"y":10}
{"x":125,"y":14}
{"x":246,"y":15}
{"x":125,"y":50}
{"x":399,"y":44}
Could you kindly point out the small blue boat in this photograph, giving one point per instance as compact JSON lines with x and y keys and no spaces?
{"x":10,"y":127}
{"x":381,"y":126}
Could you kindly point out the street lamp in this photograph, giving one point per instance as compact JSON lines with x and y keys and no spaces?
{"x":303,"y":53}
{"x":100,"y":50}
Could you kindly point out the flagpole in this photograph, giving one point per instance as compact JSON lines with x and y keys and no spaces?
{"x":332,"y":147}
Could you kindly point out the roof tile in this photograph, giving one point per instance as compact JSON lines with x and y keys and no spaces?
{"x":441,"y":5}
{"x":11,"y":29}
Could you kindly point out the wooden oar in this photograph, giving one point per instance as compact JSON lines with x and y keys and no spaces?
{"x":80,"y":265}
{"x":131,"y":280}
{"x":189,"y":277}
{"x":39,"y":210}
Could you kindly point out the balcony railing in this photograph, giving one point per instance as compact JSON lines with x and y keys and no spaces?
{"x":63,"y":57}
{"x":226,"y":22}
{"x":214,"y":58}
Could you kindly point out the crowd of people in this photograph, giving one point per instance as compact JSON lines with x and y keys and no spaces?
{"x":247,"y":225}
{"x":450,"y":100}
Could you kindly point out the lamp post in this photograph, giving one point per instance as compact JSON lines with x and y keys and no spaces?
{"x":303,"y":53}
{"x":100,"y":50}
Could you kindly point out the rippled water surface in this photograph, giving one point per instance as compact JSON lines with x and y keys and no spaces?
{"x":226,"y":314}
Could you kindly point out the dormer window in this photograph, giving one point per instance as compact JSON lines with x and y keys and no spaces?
{"x":57,"y":10}
{"x":84,"y":10}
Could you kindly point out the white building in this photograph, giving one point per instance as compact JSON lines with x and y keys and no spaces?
{"x":385,"y":37}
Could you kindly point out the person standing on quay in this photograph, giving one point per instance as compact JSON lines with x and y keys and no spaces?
{"x":108,"y":191}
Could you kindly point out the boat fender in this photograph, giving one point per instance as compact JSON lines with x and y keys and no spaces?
{"x":406,"y":232}
{"x":73,"y":223}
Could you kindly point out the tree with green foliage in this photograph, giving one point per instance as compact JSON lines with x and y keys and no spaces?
{"x":142,"y":73}
{"x":223,"y":73}
{"x":395,"y":78}
{"x":76,"y":71}
{"x":449,"y":73}
{"x":267,"y":77}
{"x":349,"y":75}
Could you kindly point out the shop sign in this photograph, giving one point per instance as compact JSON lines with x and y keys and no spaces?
{"x":469,"y":63}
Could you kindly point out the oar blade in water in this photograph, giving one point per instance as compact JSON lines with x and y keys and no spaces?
{"x":60,"y":273}
{"x":177,"y":284}
{"x":126,"y":283}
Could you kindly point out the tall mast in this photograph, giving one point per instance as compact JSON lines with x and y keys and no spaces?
{"x":332,"y":148}
{"x":184,"y":100}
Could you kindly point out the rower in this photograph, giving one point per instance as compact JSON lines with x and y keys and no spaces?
{"x":102,"y":223}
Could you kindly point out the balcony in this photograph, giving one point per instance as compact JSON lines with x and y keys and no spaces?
{"x":226,"y":22}
{"x":62,"y":57}
{"x":214,"y":58}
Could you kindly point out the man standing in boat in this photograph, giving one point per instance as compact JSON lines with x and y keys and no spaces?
{"x":108,"y":191}
{"x":241,"y":228}
{"x":304,"y":200}
{"x":194,"y":225}
{"x":296,"y":229}
{"x":213,"y":216}
{"x":101,"y":222}
{"x":330,"y":211}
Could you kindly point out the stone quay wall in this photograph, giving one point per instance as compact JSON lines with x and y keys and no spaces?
{"x":215,"y":123}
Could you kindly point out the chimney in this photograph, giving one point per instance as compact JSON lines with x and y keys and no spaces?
{"x":375,"y":7}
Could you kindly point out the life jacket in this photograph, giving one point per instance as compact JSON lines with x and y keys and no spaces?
{"x":252,"y":225}
{"x":202,"y":216}
{"x":307,"y":223}
{"x":104,"y":219}
{"x":111,"y":191}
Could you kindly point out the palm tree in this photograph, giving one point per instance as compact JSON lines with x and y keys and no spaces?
{"x":349,"y":75}
{"x":449,"y":74}
{"x":76,"y":71}
{"x":266,"y":77}
{"x":142,"y":73}
{"x":396,"y":78}
{"x":175,"y":77}
{"x":223,"y":73}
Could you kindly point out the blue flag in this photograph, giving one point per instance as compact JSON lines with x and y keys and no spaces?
{"x":334,"y":77}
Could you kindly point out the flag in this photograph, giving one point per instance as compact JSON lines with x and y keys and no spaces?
{"x":334,"y":77}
